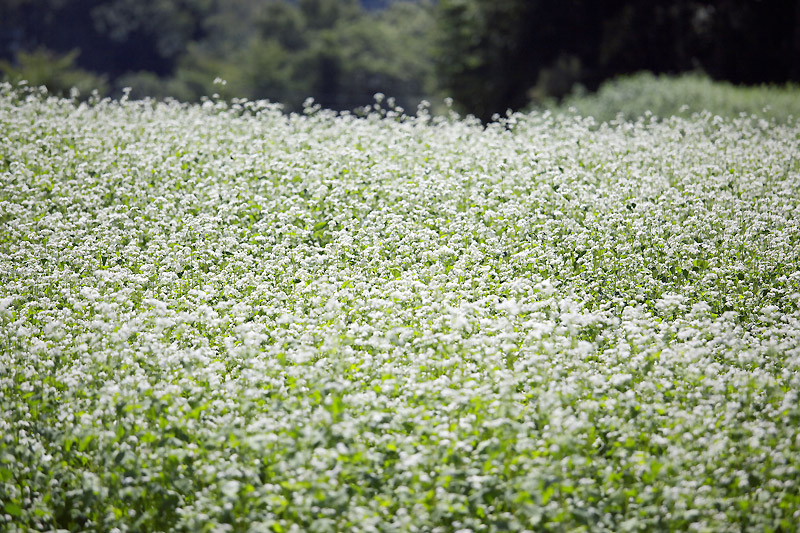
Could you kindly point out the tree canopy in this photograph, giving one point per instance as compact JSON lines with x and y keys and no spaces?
{"x":488,"y":55}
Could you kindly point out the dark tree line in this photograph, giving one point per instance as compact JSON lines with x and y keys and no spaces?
{"x":540,"y":48}
{"x":489,"y":55}
{"x":341,"y":52}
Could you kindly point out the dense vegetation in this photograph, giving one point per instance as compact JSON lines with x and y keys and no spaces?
{"x":494,"y":55}
{"x":219,"y":317}
{"x":488,"y":55}
{"x":333,"y":50}
{"x":644,"y":95}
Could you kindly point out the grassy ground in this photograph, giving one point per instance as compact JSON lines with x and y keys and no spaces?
{"x":222,"y":318}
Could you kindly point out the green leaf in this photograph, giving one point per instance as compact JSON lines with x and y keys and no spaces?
{"x":85,"y":442}
{"x":13,"y":509}
{"x":547,"y":494}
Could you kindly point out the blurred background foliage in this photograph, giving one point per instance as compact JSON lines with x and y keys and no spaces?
{"x":55,"y":71}
{"x":630,"y":97}
{"x":488,"y":55}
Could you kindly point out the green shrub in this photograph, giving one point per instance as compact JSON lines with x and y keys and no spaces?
{"x":57,"y":72}
{"x":635,"y":95}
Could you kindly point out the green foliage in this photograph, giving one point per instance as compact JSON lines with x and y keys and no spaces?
{"x":57,"y":72}
{"x":636,"y":95}
{"x":477,"y":52}
{"x":489,"y":56}
{"x":148,"y":84}
{"x":325,"y":14}
{"x":220,"y":317}
{"x":285,"y":23}
{"x":166,"y":25}
{"x":387,"y":51}
{"x":329,"y":50}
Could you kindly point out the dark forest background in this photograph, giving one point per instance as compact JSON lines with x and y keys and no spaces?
{"x":488,"y":55}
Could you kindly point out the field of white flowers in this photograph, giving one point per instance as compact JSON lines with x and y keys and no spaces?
{"x":220,"y":317}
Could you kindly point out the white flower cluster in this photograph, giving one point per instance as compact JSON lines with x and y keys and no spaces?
{"x":222,"y":317}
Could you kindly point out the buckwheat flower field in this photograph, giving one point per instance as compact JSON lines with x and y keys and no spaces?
{"x":220,"y":317}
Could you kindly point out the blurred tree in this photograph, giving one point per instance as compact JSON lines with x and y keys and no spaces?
{"x":389,"y":52}
{"x":24,"y":23}
{"x":145,"y":84}
{"x":259,"y":48}
{"x":268,"y":69}
{"x":114,"y":36}
{"x":333,"y":51}
{"x":480,"y":56}
{"x":324,"y":14}
{"x":750,"y":41}
{"x":742,"y":41}
{"x":155,"y":33}
{"x":491,"y":53}
{"x":284,"y":22}
{"x":57,"y":72}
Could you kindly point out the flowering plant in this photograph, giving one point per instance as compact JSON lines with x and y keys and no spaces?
{"x":223,"y":317}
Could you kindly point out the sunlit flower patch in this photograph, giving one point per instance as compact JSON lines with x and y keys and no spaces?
{"x":220,"y":317}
